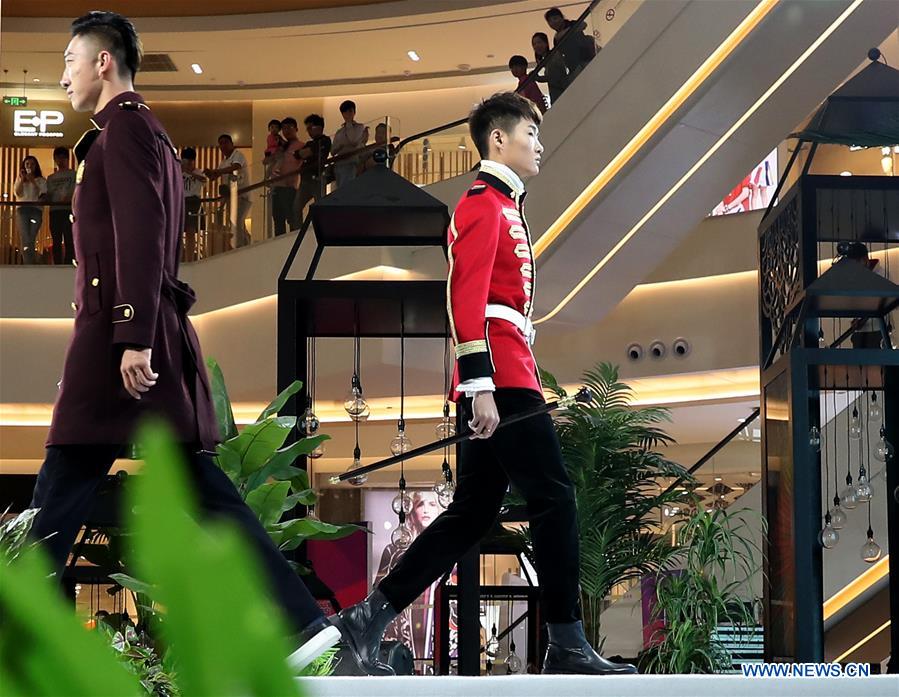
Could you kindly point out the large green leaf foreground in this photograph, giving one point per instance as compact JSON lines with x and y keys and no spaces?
{"x":226,"y":636}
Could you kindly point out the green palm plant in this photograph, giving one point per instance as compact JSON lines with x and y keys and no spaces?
{"x":609,"y":451}
{"x":717,"y":559}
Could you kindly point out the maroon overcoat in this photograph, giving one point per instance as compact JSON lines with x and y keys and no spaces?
{"x":128,"y":211}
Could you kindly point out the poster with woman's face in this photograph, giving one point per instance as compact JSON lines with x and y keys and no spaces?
{"x":415,"y":626}
{"x":754,"y":191}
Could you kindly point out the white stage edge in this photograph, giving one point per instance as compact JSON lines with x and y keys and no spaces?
{"x":611,"y":686}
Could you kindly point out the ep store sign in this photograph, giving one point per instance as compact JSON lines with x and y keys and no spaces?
{"x":31,"y":123}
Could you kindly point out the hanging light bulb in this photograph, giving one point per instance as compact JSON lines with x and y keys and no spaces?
{"x":354,"y":403}
{"x":317,"y":451}
{"x":357,"y":463}
{"x":847,"y":495}
{"x":402,"y":503}
{"x":874,"y":411}
{"x":821,"y":342}
{"x":837,"y":516}
{"x":309,"y":423}
{"x":814,"y":439}
{"x":400,"y":443}
{"x":513,"y":662}
{"x":828,"y":537}
{"x":863,"y":490}
{"x":492,"y":647}
{"x":871,"y":551}
{"x":401,"y":537}
{"x":446,"y":428}
{"x":883,"y":451}
{"x":855,"y":425}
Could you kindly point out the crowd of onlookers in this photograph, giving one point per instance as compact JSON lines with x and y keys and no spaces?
{"x":297,"y":171}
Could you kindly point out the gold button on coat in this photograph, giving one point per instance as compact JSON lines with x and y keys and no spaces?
{"x":127,"y":312}
{"x":95,"y":282}
{"x":71,"y":217}
{"x":74,"y":306}
{"x":74,"y":262}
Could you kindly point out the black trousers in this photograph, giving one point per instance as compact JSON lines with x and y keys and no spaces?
{"x":526,"y":454}
{"x":284,"y":214}
{"x":61,"y":231}
{"x":71,"y":474}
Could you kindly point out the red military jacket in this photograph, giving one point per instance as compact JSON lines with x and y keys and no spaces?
{"x":491,"y":262}
{"x":128,"y":214}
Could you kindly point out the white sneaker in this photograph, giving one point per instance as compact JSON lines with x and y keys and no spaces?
{"x":312,"y":648}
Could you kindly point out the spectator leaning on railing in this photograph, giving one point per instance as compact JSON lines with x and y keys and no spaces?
{"x":194,"y":179}
{"x":30,"y":187}
{"x":284,"y":191}
{"x":234,"y":163}
{"x":350,"y":136}
{"x":60,"y":187}
{"x":369,"y":159}
{"x":314,"y":154}
{"x":578,"y":50}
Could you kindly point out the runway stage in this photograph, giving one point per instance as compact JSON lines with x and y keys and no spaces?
{"x":620,"y":686}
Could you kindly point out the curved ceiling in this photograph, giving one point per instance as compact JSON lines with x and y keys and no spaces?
{"x":312,"y":53}
{"x":170,"y":8}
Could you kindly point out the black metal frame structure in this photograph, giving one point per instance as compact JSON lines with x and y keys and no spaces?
{"x":793,"y":300}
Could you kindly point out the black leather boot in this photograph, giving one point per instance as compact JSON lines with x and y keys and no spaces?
{"x":569,"y":653}
{"x":362,"y":627}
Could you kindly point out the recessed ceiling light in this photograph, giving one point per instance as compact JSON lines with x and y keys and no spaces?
{"x":196,"y":68}
{"x":846,"y":173}
{"x":35,"y":79}
{"x":413,"y":55}
{"x":464,"y":67}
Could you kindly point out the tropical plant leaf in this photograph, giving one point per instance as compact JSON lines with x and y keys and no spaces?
{"x":258,"y":442}
{"x":278,"y":402}
{"x":279,"y":464}
{"x":293,"y":533}
{"x":268,"y":501}
{"x":132,"y":584}
{"x":220,"y":401}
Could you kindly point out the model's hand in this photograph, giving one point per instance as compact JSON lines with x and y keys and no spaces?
{"x":137,"y":375}
{"x":485,"y":417}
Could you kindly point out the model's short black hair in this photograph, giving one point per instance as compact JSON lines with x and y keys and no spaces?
{"x":503,"y":110}
{"x":188,"y":154}
{"x":346,"y":105}
{"x":60,"y":151}
{"x":115,"y":34}
{"x":553,"y":12}
{"x":314,"y":120}
{"x":518,"y":60}
{"x":227,"y":137}
{"x":289,"y":121}
{"x":274,"y":122}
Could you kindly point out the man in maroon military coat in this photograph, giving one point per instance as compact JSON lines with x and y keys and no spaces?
{"x":133,"y":350}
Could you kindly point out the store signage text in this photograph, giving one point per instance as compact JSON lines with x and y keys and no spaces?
{"x":31,"y":123}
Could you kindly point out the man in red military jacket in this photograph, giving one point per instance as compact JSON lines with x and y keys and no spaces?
{"x":490,"y":293}
{"x":133,"y":351}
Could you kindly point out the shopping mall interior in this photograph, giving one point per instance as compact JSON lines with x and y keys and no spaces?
{"x":711,"y":169}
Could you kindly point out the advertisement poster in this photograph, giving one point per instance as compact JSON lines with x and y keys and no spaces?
{"x":754,"y":191}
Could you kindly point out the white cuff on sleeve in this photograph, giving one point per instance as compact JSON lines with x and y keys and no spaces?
{"x":475,"y":385}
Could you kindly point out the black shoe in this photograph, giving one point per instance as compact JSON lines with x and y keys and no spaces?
{"x":312,"y":642}
{"x":362,"y":627}
{"x":582,"y":661}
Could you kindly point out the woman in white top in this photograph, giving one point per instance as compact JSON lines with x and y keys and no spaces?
{"x":30,"y":187}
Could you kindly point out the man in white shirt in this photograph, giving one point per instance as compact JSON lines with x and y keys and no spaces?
{"x":349,"y":137}
{"x":234,"y":164}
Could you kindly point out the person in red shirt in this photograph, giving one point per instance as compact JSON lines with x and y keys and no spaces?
{"x":527,"y":88}
{"x":490,"y":291}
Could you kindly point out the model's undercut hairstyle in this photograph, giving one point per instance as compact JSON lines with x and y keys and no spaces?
{"x":519,"y":61}
{"x":504,"y":111}
{"x":113,"y":33}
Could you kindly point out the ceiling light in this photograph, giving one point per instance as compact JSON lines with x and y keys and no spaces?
{"x":462,"y":144}
{"x":845,"y":173}
{"x":196,"y":68}
{"x":464,"y":67}
{"x":717,"y":479}
{"x":35,"y":79}
{"x":413,"y":56}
